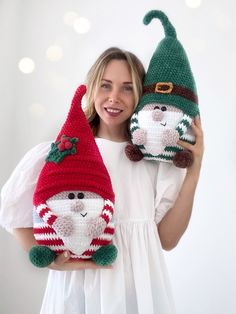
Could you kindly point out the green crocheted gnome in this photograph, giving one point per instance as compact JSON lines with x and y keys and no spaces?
{"x":168,"y":104}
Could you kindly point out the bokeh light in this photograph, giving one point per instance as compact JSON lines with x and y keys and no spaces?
{"x":193,"y":3}
{"x":54,"y":53}
{"x":81,"y":25}
{"x":26,"y":65}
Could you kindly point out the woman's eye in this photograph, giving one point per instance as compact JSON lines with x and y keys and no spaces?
{"x":156,"y":107}
{"x":163,"y":108}
{"x":105,"y":86}
{"x":80,"y":195}
{"x":128,"y":88}
{"x":71,"y":196}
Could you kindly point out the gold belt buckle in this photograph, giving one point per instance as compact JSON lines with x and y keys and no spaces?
{"x":164,"y":87}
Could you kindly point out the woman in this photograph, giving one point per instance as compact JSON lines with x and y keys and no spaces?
{"x":153,"y":205}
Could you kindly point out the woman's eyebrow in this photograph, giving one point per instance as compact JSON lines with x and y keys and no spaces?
{"x":109,"y":81}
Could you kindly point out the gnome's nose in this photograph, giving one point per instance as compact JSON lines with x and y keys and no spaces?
{"x":77,"y":207}
{"x":157,"y":115}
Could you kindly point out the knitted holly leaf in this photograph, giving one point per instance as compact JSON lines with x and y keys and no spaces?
{"x":62,"y":148}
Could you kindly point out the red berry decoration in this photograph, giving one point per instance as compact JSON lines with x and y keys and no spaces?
{"x":64,"y":147}
{"x":68,"y":145}
{"x":61,"y":147}
{"x":64,"y":139}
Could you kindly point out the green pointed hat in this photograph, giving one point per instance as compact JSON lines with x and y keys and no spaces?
{"x":169,"y":79}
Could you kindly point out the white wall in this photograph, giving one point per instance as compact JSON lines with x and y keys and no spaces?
{"x":202,"y":267}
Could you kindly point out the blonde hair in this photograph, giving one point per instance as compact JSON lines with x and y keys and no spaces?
{"x":95,"y":75}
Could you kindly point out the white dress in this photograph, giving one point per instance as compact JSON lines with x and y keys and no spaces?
{"x":138,"y":282}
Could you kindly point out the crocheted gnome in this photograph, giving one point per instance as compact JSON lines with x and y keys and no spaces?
{"x":73,"y":199}
{"x":168,"y":104}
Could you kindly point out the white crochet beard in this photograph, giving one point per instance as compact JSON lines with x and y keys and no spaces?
{"x":79,"y":241}
{"x":154,"y":129}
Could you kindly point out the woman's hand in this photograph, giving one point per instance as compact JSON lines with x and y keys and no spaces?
{"x":62,"y":263}
{"x":197,"y":149}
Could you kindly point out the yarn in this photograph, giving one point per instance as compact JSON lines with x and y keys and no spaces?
{"x":169,"y":101}
{"x":73,"y":199}
{"x":105,"y":255}
{"x":41,"y":256}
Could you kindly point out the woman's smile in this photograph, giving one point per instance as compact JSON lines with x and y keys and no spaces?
{"x":113,"y":112}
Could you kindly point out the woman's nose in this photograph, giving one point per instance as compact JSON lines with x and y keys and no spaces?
{"x":77,"y":206}
{"x":157,"y":115}
{"x":113,"y":97}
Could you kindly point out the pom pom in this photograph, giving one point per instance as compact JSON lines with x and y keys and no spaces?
{"x":183,"y":159}
{"x":133,"y":153}
{"x":41,"y":256}
{"x":106,"y":255}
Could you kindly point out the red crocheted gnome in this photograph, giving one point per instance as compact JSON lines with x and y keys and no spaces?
{"x":73,"y":199}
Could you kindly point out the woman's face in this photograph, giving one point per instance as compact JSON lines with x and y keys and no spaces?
{"x":114,"y":101}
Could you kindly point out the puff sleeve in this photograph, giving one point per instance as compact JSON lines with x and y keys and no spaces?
{"x":17,"y":193}
{"x":168,"y":184}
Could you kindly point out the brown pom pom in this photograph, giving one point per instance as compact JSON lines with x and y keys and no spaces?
{"x":133,"y":153}
{"x":183,"y":159}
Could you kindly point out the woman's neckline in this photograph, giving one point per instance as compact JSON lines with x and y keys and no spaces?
{"x":112,"y":141}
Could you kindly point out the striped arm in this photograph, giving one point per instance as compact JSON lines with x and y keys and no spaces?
{"x":184,"y":124}
{"x":107,"y":211}
{"x":46,"y":214}
{"x":134,"y":123}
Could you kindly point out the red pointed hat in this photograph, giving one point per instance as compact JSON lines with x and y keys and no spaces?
{"x":74,"y":161}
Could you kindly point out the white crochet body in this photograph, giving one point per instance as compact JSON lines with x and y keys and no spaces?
{"x":78,"y":242}
{"x":154,"y":129}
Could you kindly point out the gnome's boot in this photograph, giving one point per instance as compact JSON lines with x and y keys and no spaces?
{"x":106,"y":255}
{"x":41,"y":256}
{"x":133,"y":153}
{"x":183,"y":159}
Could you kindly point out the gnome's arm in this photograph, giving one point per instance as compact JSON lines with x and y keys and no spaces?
{"x":138,"y":134}
{"x":62,"y":225}
{"x":97,"y":225}
{"x":170,"y":137}
{"x":183,"y":125}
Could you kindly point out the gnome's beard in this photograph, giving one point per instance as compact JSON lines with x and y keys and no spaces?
{"x":79,"y":241}
{"x":154,"y":129}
